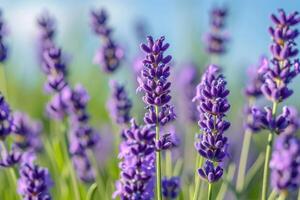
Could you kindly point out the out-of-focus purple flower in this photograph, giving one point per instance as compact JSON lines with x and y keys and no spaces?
{"x":210,"y":173}
{"x":154,"y":82}
{"x":6,"y":120}
{"x":253,"y":87}
{"x":264,"y":119}
{"x":11,"y":158}
{"x":170,"y":187}
{"x":187,"y":80}
{"x":215,"y":40}
{"x":34,"y":182}
{"x":57,"y":107}
{"x":285,"y":163}
{"x":27,"y":132}
{"x":3,"y":46}
{"x":110,"y":54}
{"x":119,"y":104}
{"x":212,"y":101}
{"x":47,"y":30}
{"x":137,"y":165}
{"x":294,"y":122}
{"x":83,"y":167}
{"x":283,"y":67}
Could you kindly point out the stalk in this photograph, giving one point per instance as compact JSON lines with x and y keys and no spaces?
{"x":3,"y":82}
{"x":267,"y":158}
{"x":283,"y":195}
{"x":169,"y":172}
{"x":199,"y":162}
{"x":210,"y":191}
{"x":158,"y":160}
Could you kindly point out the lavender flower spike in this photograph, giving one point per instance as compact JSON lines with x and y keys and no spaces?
{"x":119,"y":105}
{"x":109,"y":55}
{"x":213,"y":105}
{"x":137,"y":165}
{"x":6,"y":120}
{"x":285,"y":165}
{"x":3,"y":46}
{"x":34,"y":182}
{"x":171,"y":187}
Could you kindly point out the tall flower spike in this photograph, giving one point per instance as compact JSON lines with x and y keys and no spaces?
{"x":119,"y":104}
{"x":171,"y":187}
{"x":34,"y":182}
{"x":213,"y":104}
{"x":110,"y":54}
{"x":3,"y":46}
{"x":154,"y":82}
{"x":27,"y":132}
{"x":6,"y":119}
{"x":137,"y":165}
{"x":285,"y":164}
{"x":215,"y":40}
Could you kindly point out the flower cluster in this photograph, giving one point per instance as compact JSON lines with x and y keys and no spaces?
{"x":170,"y":187}
{"x":27,"y":132}
{"x":285,"y":163}
{"x":283,"y":67}
{"x":154,"y":82}
{"x":110,"y":54}
{"x":187,"y":81}
{"x":47,"y":30}
{"x":34,"y":182}
{"x":119,"y":104}
{"x":3,"y":47}
{"x":6,"y":119}
{"x":213,"y":105}
{"x":215,"y":40}
{"x":11,"y":158}
{"x":137,"y":165}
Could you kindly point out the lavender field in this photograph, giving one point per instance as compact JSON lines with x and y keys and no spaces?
{"x":142,"y":100}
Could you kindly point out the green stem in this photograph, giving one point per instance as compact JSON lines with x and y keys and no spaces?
{"x":228,"y":179}
{"x":197,"y":178}
{"x":209,"y":191}
{"x":158,"y":161}
{"x":243,"y":161}
{"x":91,"y":191}
{"x":267,"y":158}
{"x":168,"y":163}
{"x":298,"y":195}
{"x":272,"y":195}
{"x":283,"y":195}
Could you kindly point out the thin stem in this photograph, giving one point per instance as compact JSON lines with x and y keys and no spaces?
{"x":169,"y":172}
{"x":267,"y":158}
{"x":3,"y":83}
{"x":209,"y":191}
{"x":298,"y":195}
{"x":197,"y":178}
{"x":158,"y":161}
{"x":243,"y":161}
{"x":283,"y":195}
{"x":272,"y":195}
{"x":227,"y":181}
{"x":91,"y":191}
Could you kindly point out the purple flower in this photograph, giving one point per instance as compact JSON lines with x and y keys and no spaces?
{"x":119,"y":104}
{"x":264,"y":119}
{"x":215,"y":40}
{"x":27,"y":132}
{"x":210,"y":173}
{"x":154,"y":82}
{"x":170,"y":187}
{"x":57,"y":107}
{"x":137,"y":165}
{"x":6,"y":120}
{"x":283,"y":67}
{"x":34,"y":182}
{"x":285,"y":163}
{"x":187,"y":81}
{"x":110,"y":54}
{"x":83,"y":167}
{"x":11,"y":158}
{"x":3,"y":46}
{"x":212,"y":101}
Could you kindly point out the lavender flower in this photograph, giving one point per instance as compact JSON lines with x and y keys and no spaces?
{"x":83,"y":167}
{"x":47,"y":30}
{"x":170,"y":187}
{"x":215,"y":40}
{"x":6,"y":120}
{"x":34,"y":182}
{"x":57,"y":107}
{"x":119,"y":104}
{"x":137,"y":165}
{"x":154,"y":82}
{"x":109,"y":55}
{"x":187,"y":81}
{"x":213,"y":104}
{"x":11,"y":158}
{"x":284,"y":67}
{"x":285,"y":163}
{"x":3,"y":46}
{"x":27,"y":132}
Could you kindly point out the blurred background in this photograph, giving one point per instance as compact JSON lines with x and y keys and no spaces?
{"x":183,"y":23}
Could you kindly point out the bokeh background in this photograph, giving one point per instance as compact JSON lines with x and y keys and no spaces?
{"x":183,"y":23}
